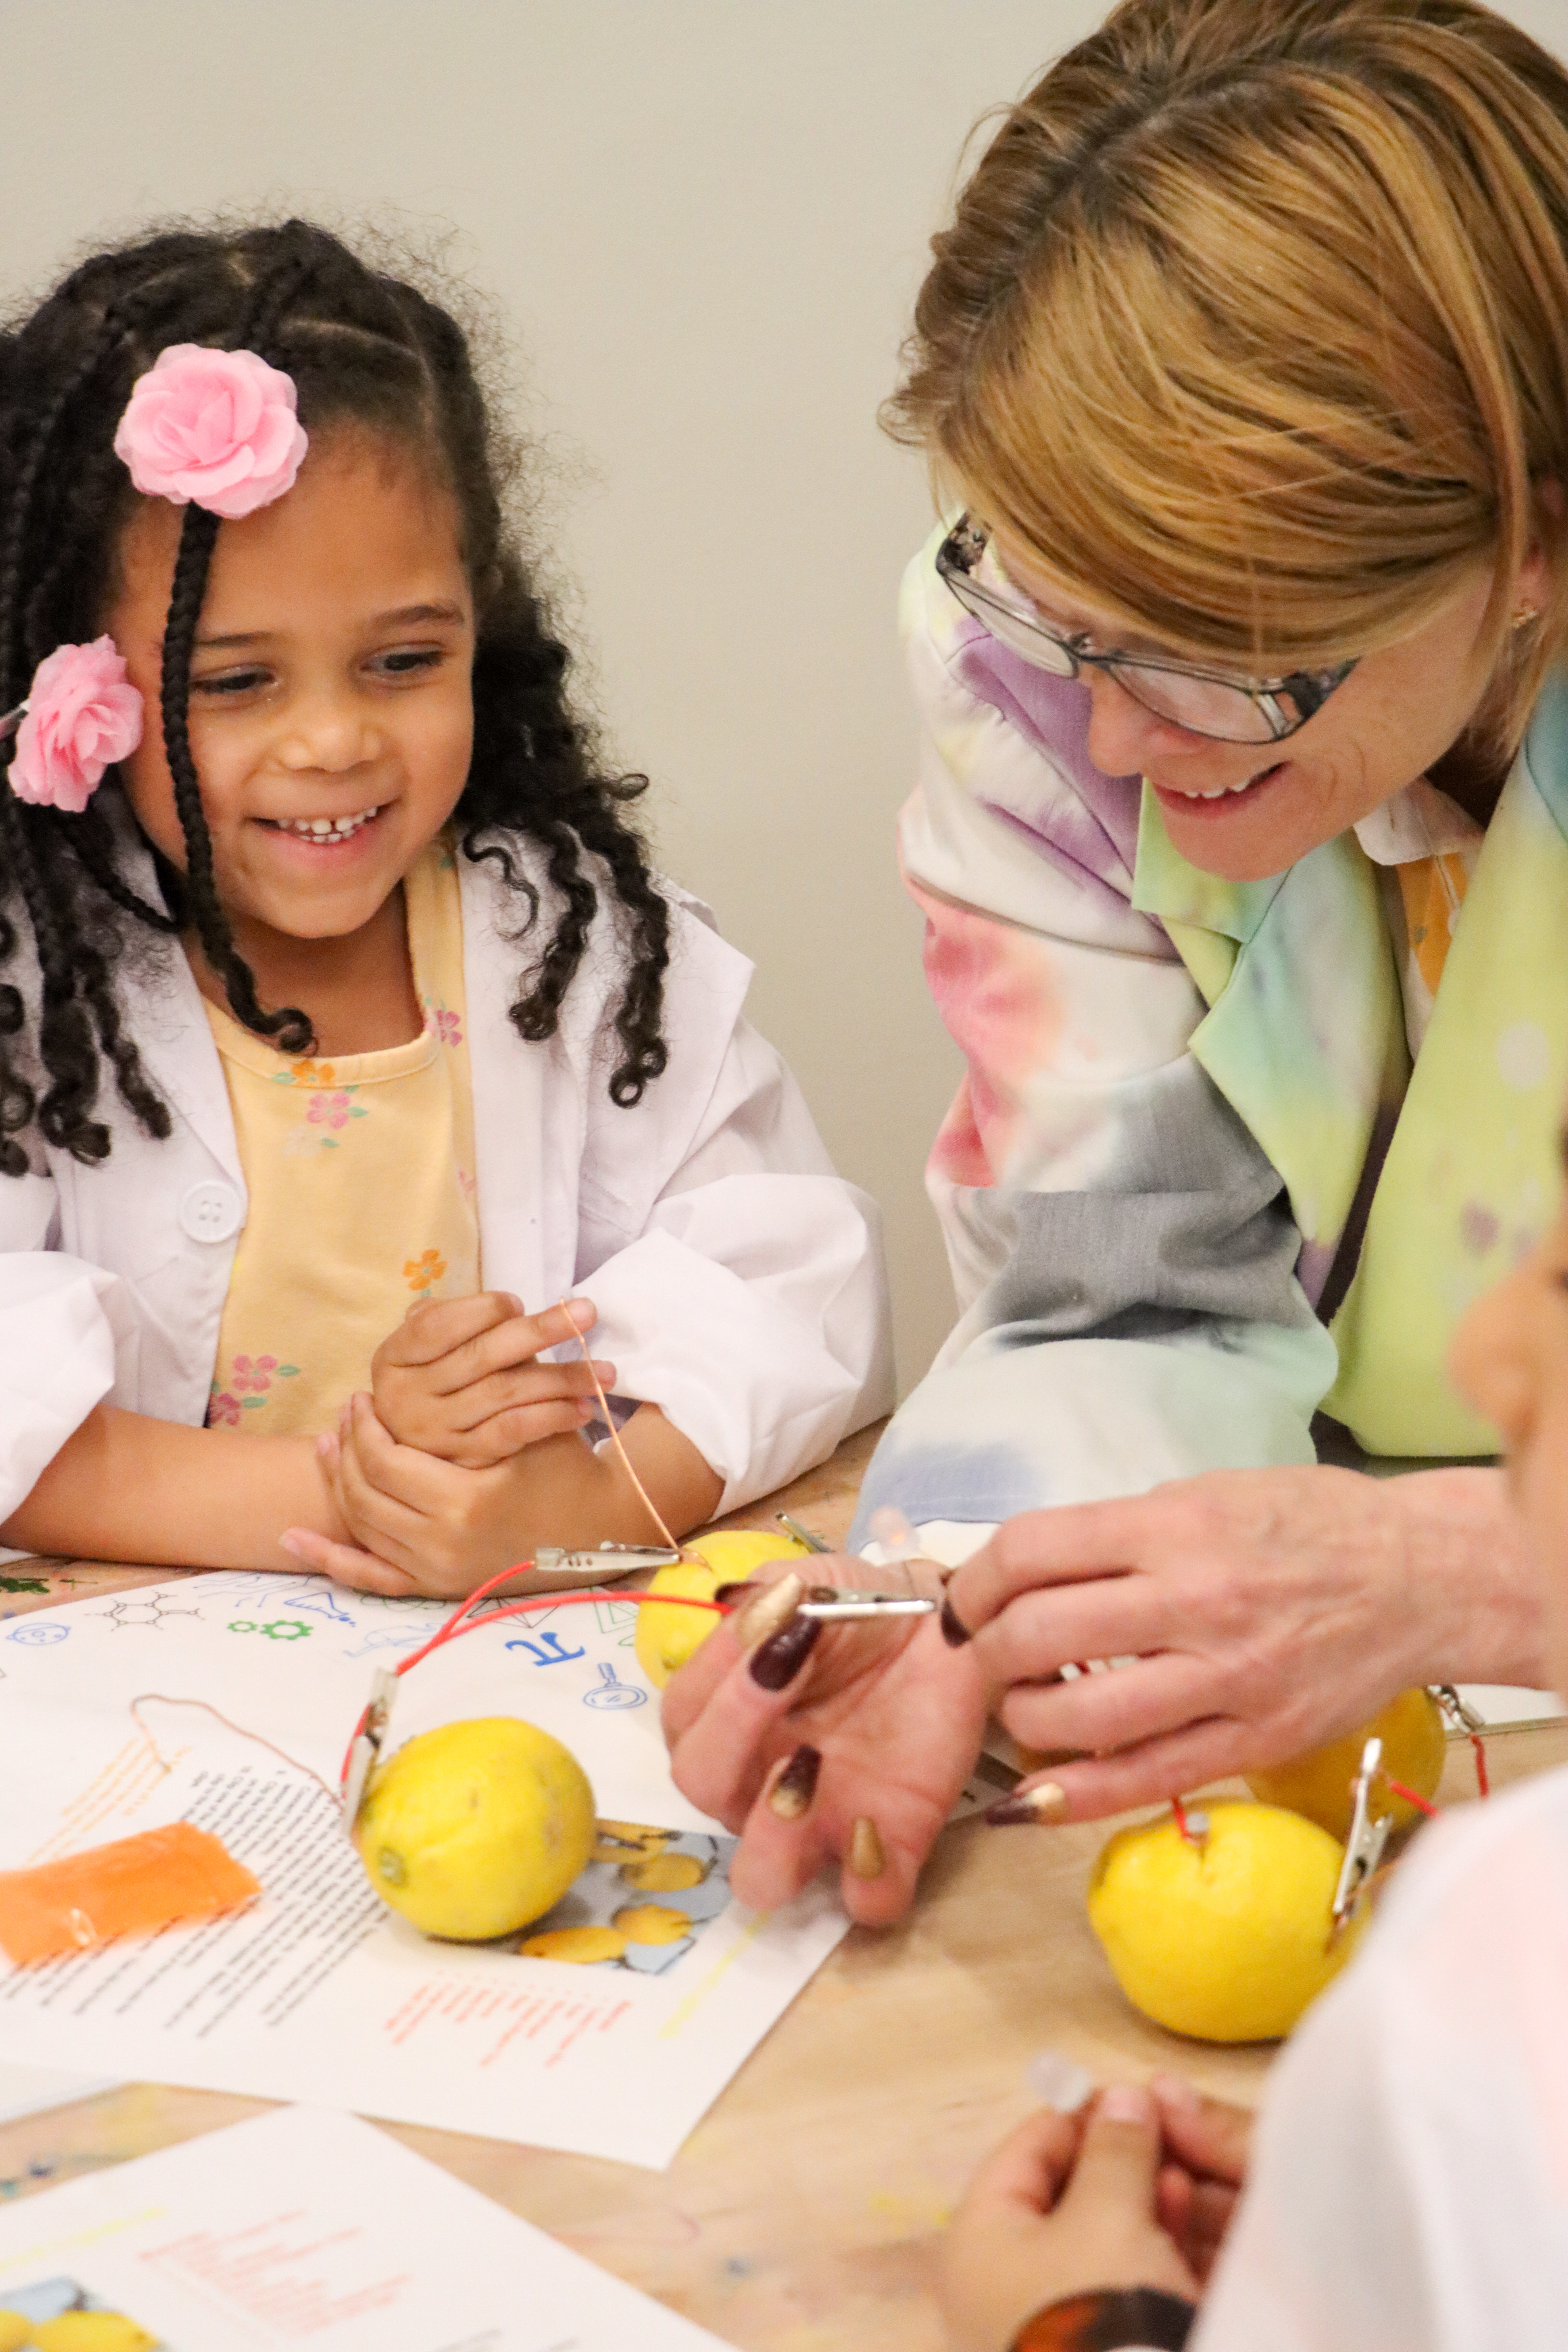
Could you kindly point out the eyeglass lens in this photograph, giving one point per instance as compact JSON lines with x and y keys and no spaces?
{"x":1202,"y":706}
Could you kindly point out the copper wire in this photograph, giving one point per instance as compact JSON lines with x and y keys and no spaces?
{"x":616,"y":1436}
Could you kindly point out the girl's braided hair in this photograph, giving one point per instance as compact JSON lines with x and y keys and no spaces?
{"x":363,"y":349}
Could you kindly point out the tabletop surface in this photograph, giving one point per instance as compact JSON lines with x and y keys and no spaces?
{"x":802,"y":2214}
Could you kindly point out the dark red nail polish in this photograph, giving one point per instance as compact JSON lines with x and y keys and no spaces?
{"x":954,"y":1632}
{"x":725,"y":1592}
{"x":792,"y":1793}
{"x":782,"y":1657}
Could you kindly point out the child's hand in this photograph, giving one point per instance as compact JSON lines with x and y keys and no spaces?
{"x":419,"y":1525}
{"x":459,"y":1379}
{"x":1208,"y":2144}
{"x":1068,"y":2205}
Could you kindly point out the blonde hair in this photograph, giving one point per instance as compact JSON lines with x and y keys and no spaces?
{"x":1252,"y":328}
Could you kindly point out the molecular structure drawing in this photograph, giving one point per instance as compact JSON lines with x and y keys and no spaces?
{"x":142,"y":1611}
{"x":277,"y":1629}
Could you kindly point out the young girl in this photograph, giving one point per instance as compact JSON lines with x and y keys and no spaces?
{"x":335,"y":984}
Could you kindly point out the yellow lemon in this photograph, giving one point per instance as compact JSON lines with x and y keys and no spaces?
{"x":653,"y":1923}
{"x":476,"y":1829}
{"x":1415,"y":1747}
{"x":583,"y":1945}
{"x":16,"y":2333}
{"x":664,"y":1874}
{"x":667,"y":1637}
{"x":89,"y":2331}
{"x":1226,"y":1938}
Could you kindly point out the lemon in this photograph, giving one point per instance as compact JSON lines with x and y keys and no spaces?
{"x":666,"y":1638}
{"x":90,"y":2331}
{"x":16,"y":2333}
{"x":653,"y":1923}
{"x":1415,"y":1749}
{"x":476,"y":1829}
{"x":583,"y":1945}
{"x":1226,"y":1938}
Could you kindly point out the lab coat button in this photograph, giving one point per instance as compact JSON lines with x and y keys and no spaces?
{"x":211,"y":1212}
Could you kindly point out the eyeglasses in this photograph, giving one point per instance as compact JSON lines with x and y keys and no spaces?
{"x":1263,"y":710}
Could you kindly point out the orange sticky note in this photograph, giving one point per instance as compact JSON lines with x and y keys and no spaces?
{"x":132,"y":1887}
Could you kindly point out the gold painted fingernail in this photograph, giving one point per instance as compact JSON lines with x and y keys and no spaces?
{"x":1048,"y":1803}
{"x":865,"y":1857}
{"x":792,"y":1793}
{"x":769,"y":1610}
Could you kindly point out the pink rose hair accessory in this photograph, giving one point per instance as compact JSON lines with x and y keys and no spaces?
{"x":81,"y":715}
{"x":215,"y":429}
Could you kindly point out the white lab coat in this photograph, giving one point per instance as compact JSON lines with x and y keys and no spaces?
{"x":739,"y":1281}
{"x":1409,"y":2189}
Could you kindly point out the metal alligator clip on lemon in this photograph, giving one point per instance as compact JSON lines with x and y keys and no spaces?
{"x":1367,"y":1839}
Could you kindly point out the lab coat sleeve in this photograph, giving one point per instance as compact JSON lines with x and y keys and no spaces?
{"x":62,"y":1322}
{"x":751,"y":1308}
{"x":1407,"y":2186}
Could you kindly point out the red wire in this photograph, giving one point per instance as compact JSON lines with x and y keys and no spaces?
{"x":1410,"y":1797}
{"x":1483,"y":1781}
{"x":1181,"y":1813}
{"x":465,"y":1622}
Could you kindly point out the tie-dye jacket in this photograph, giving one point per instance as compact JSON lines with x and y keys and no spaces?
{"x":1184,"y":1097}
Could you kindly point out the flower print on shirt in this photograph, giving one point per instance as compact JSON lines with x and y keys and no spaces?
{"x":445,"y":1025}
{"x":327,"y":1113}
{"x":248,"y":1387}
{"x":423,"y":1272}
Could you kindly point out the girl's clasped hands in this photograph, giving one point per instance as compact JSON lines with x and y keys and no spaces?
{"x":464,"y":1423}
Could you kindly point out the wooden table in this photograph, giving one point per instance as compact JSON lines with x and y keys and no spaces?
{"x":802,"y":2214}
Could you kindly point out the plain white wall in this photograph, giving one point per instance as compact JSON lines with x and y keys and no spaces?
{"x":706,"y":220}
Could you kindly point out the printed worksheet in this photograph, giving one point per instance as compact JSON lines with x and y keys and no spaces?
{"x":304,"y":2227}
{"x":607,"y":2027}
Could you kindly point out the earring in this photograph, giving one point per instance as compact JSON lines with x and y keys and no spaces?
{"x":1524,"y":616}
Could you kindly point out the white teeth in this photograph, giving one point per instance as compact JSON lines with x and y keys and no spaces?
{"x":325,"y":828}
{"x":1220,"y":793}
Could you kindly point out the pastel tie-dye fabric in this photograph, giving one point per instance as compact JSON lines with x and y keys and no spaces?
{"x":1185,"y":1102}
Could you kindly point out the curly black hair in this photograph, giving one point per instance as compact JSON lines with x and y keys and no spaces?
{"x":363,"y":348}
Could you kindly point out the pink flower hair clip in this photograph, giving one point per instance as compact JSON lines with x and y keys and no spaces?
{"x":81,"y":715}
{"x":217,"y":429}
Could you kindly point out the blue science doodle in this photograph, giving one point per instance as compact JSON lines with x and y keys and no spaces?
{"x":610,"y":1692}
{"x":38,"y":1637}
{"x":545,"y":1649}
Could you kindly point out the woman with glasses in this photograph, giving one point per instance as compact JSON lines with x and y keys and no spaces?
{"x":1241,"y":836}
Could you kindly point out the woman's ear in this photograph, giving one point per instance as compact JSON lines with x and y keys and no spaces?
{"x":1533,"y":586}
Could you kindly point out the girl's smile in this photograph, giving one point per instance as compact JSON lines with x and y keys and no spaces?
{"x":330,"y":708}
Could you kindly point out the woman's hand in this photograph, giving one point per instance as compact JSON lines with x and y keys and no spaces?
{"x":820,"y":1742}
{"x":1264,"y":1612}
{"x":1069,"y":2204}
{"x":460,"y":1378}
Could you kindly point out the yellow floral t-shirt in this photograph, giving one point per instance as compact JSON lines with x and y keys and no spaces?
{"x":360,"y":1172}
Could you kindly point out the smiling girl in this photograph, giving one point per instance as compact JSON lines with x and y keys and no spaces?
{"x":339,"y":1012}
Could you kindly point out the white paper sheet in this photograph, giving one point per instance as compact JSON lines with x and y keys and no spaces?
{"x":317,"y":1991}
{"x":26,"y":2090}
{"x":308,"y":2227}
{"x":1504,"y":1706}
